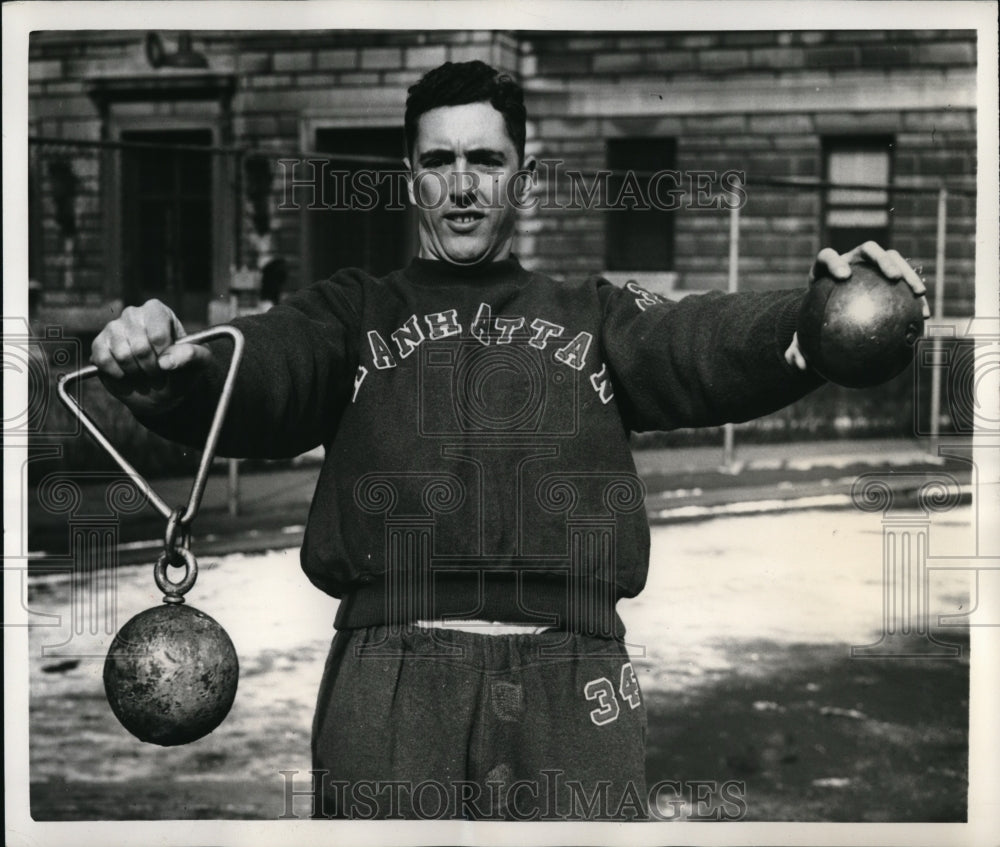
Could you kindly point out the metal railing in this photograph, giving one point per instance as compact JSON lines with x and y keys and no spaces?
{"x":76,"y":201}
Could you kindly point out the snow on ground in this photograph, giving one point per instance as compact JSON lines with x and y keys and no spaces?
{"x":716,"y":592}
{"x":810,"y":577}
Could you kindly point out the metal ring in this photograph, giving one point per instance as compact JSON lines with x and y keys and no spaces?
{"x":174,"y":526}
{"x":174,"y":591}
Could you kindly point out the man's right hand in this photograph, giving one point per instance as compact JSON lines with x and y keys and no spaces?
{"x":140,"y":362}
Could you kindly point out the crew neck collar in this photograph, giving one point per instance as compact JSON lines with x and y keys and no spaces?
{"x":437,"y":272}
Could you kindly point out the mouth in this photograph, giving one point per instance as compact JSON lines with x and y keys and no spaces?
{"x":464,"y":220}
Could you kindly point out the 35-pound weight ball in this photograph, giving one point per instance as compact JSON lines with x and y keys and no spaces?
{"x":171,"y":675}
{"x":859,"y":332}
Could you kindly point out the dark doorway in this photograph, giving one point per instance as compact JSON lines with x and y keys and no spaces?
{"x":167,"y":220}
{"x":639,"y":235}
{"x":367,"y":222}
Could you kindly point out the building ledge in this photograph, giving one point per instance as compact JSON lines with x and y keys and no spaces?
{"x":170,"y":85}
{"x":892,"y":90}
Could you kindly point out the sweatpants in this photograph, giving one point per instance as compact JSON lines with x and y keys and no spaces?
{"x":440,"y":724}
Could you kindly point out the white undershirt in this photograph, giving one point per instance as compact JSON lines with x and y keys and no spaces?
{"x":485,"y":627}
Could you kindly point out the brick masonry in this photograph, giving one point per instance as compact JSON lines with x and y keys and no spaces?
{"x":781,"y":226}
{"x":287,"y":84}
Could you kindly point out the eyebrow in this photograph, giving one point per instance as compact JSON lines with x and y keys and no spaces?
{"x":477,"y":154}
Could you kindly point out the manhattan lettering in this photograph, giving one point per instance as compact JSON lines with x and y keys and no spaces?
{"x":539,"y":333}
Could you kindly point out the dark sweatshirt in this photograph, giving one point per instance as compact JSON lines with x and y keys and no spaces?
{"x":476,"y":425}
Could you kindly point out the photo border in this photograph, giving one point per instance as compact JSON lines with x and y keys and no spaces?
{"x":19,"y":19}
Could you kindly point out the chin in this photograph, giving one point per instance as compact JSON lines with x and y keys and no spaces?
{"x":467,"y":254}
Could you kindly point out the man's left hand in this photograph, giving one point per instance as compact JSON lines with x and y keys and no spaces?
{"x":831,"y":263}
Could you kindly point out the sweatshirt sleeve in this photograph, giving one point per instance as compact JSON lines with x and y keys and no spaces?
{"x":295,"y":378}
{"x":705,"y":360}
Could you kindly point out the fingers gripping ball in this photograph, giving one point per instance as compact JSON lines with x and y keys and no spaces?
{"x":859,"y":332}
{"x":171,"y":675}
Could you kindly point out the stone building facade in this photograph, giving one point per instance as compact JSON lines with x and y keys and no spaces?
{"x":193,"y":166}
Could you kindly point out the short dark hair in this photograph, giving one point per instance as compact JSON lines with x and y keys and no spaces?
{"x":458,"y":83}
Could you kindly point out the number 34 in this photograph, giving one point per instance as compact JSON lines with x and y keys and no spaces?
{"x":602,"y":690}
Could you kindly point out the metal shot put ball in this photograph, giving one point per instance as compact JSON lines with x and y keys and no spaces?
{"x":171,"y":675}
{"x":859,"y":332}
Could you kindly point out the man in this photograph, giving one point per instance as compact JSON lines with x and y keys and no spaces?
{"x":478,"y":512}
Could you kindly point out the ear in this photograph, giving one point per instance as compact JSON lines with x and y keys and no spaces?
{"x":409,"y":180}
{"x":526,"y":175}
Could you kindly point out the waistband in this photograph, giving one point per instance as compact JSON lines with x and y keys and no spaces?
{"x":472,"y":652}
{"x":479,"y":627}
{"x":516,"y":598}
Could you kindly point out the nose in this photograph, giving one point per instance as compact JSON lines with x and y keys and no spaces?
{"x":462,"y":186}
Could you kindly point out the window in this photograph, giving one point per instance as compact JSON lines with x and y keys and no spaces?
{"x":639,"y":236}
{"x":167,"y":220}
{"x":378,"y":239}
{"x":854,"y":215}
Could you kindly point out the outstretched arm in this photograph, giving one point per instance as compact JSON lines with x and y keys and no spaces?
{"x":716,"y":358}
{"x":295,"y":377}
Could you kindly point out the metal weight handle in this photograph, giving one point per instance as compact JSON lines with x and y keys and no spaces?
{"x":173,"y":592}
{"x":198,"y":488}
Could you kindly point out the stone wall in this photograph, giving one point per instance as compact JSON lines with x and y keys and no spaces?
{"x":760,"y":103}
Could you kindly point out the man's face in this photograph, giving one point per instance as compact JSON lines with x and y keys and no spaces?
{"x":465,"y":179}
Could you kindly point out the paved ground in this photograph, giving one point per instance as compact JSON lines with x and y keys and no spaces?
{"x":741,"y":642}
{"x":682,"y":484}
